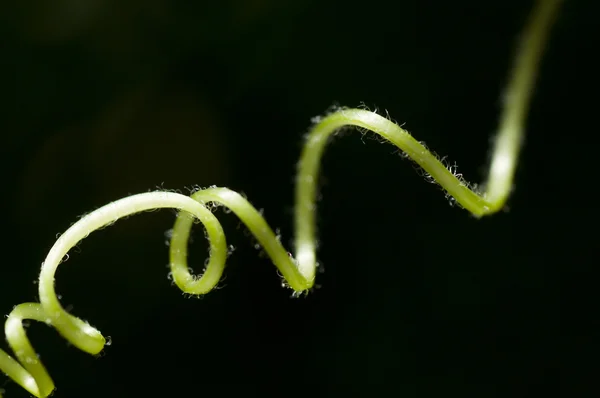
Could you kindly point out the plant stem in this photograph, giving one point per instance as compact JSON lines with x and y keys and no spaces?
{"x":298,"y":273}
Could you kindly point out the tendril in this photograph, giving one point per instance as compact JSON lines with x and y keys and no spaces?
{"x":298,"y":271}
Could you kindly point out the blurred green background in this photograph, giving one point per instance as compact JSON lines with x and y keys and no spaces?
{"x":102,"y":98}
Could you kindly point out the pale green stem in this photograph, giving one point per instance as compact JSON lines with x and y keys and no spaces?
{"x":504,"y":156}
{"x":80,"y":333}
{"x":257,"y":226}
{"x":298,"y":273}
{"x":32,"y":376}
{"x":517,"y":101}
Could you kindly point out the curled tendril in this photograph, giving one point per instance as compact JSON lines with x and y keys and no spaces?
{"x":298,"y":271}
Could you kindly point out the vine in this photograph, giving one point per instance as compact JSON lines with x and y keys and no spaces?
{"x":298,"y":271}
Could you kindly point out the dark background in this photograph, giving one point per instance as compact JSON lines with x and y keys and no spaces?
{"x":101,"y":99}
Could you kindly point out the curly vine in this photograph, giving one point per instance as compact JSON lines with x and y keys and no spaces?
{"x":298,"y":271}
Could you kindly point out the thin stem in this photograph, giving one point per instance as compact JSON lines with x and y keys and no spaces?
{"x":32,"y":376}
{"x":75,"y":330}
{"x":517,"y":101}
{"x":257,"y":225}
{"x":504,"y":156}
{"x":298,"y":273}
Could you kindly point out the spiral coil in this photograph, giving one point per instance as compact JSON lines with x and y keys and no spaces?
{"x":299,"y":271}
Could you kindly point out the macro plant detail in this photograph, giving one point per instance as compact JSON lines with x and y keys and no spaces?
{"x":297,"y":271}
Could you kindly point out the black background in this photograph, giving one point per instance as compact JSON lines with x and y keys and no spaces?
{"x":101,"y":99}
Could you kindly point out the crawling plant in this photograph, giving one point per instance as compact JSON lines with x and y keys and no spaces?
{"x":298,"y":271}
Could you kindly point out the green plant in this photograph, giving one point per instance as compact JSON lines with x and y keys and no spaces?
{"x":298,"y":272}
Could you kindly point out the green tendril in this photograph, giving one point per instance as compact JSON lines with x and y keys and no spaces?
{"x":297,"y":271}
